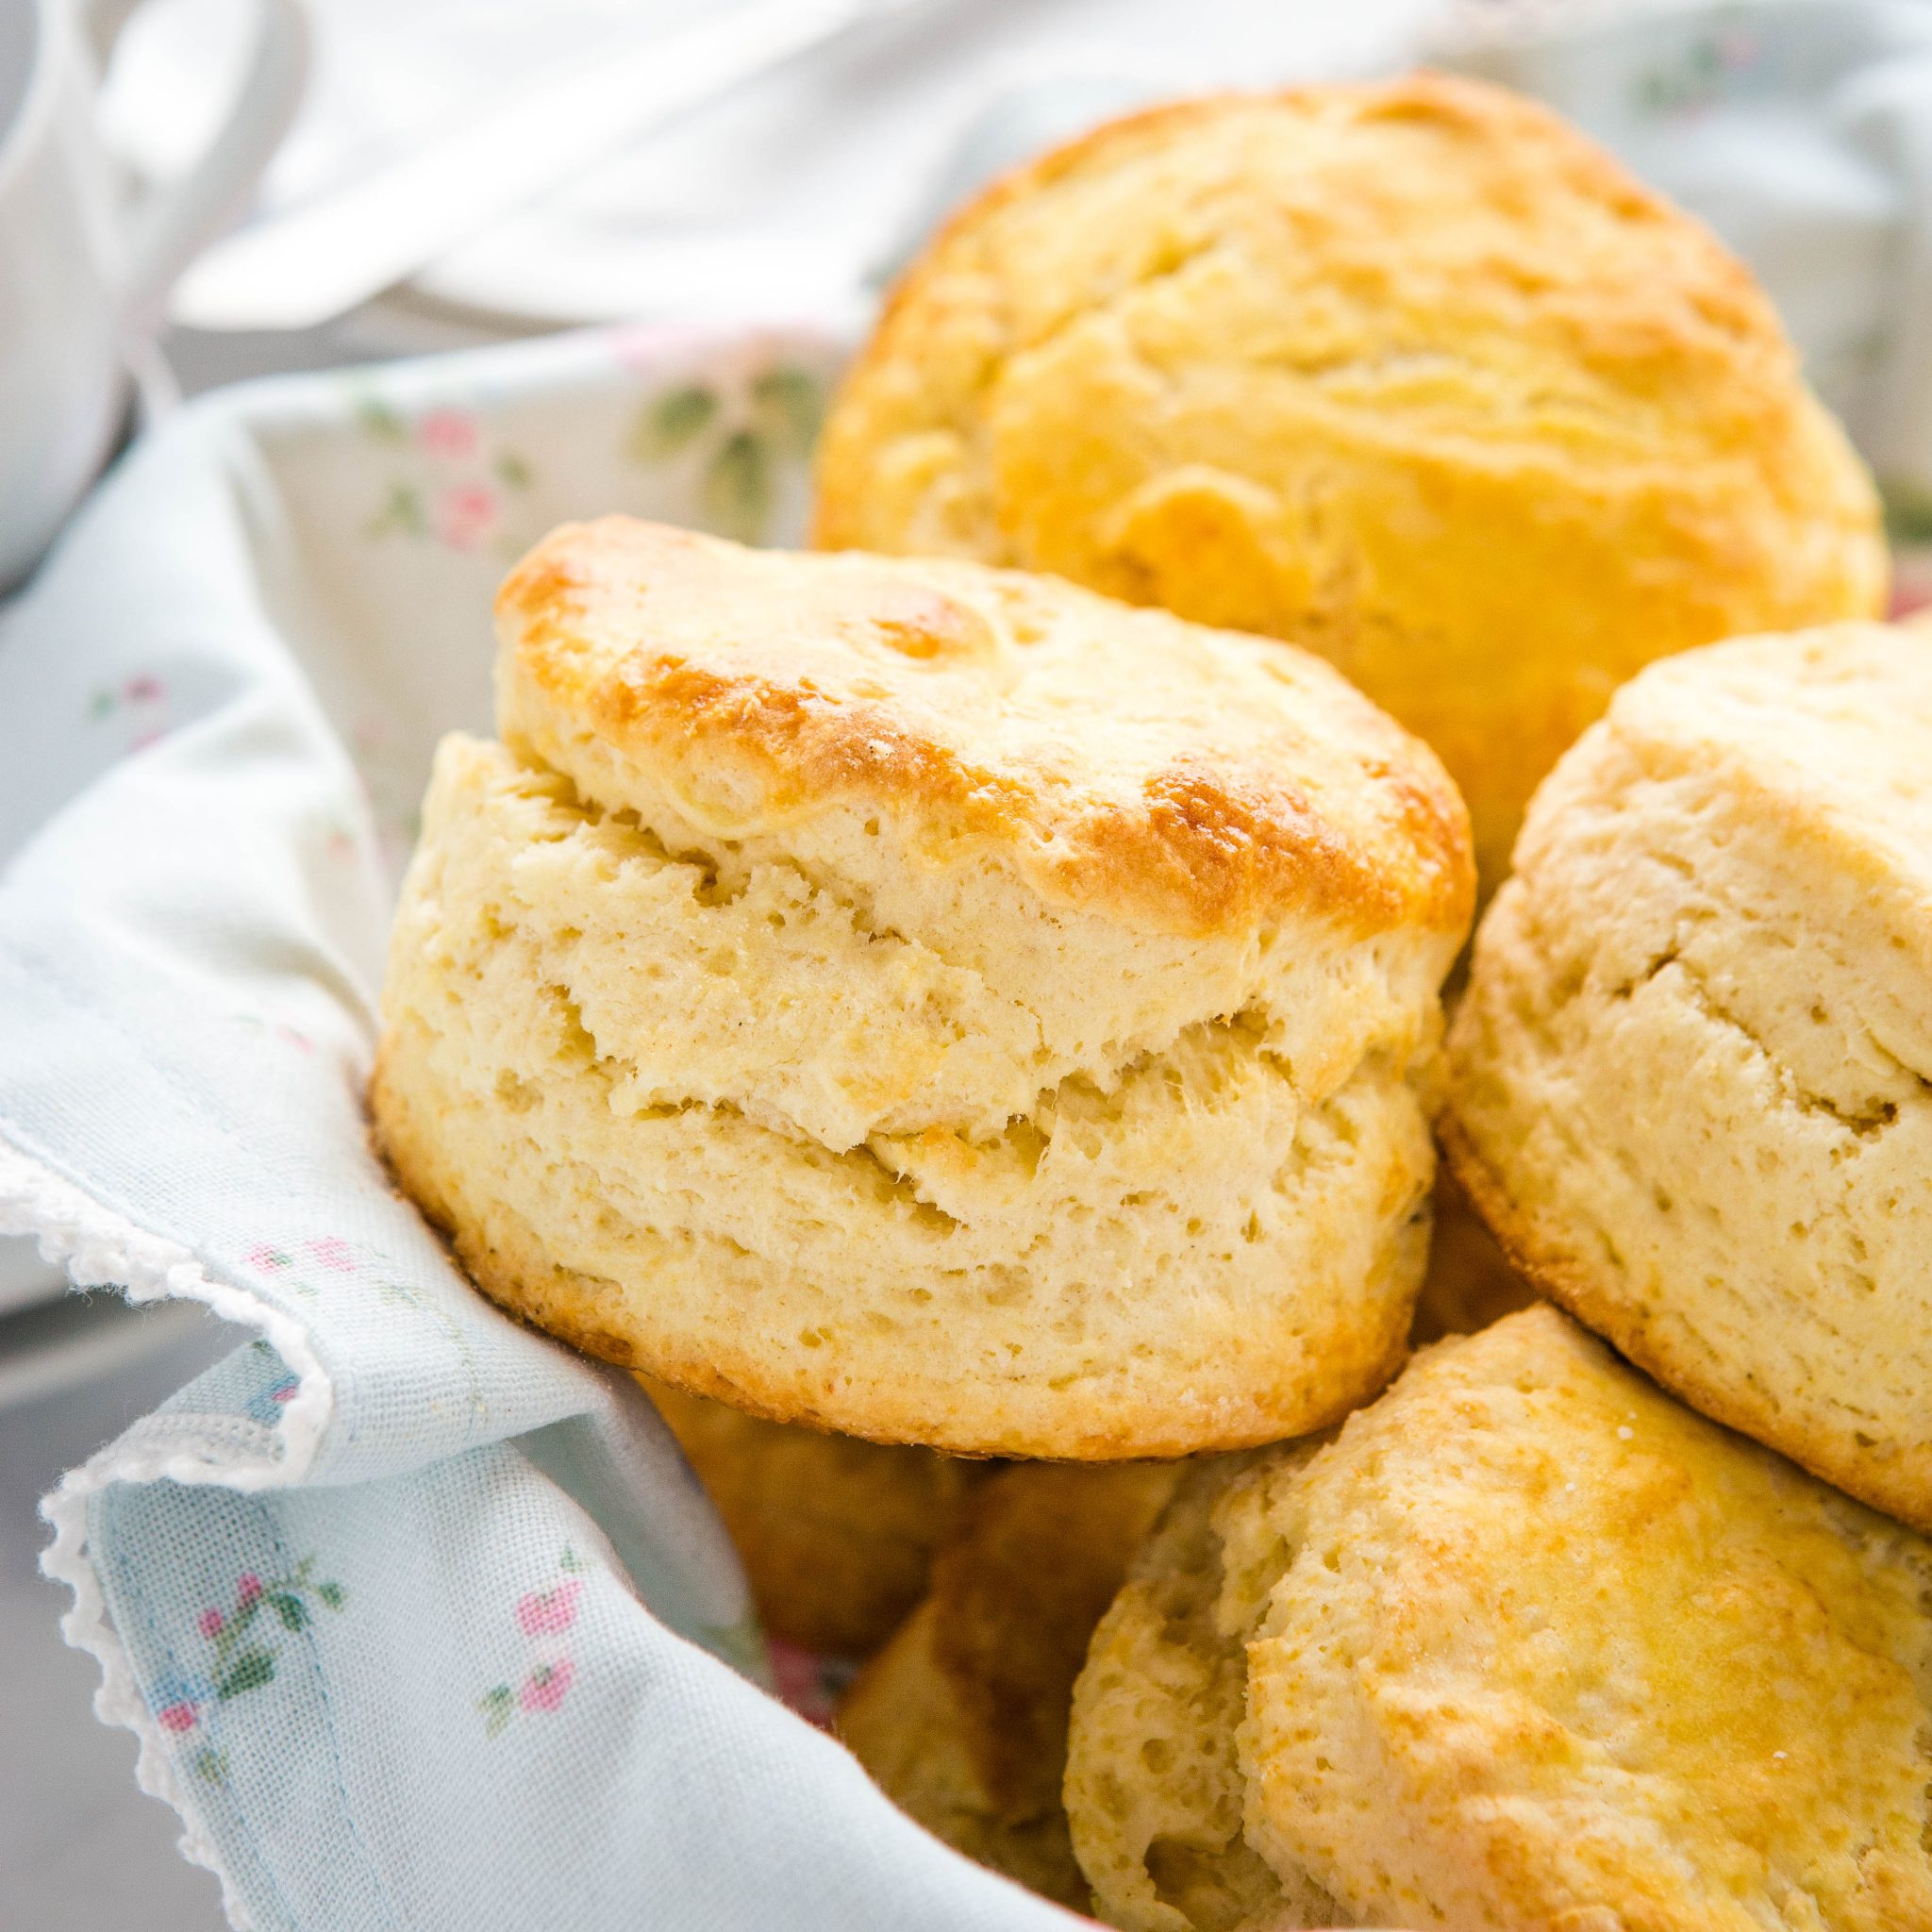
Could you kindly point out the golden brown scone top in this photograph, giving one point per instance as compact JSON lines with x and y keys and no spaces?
{"x":1409,"y":372}
{"x":1607,"y":1655}
{"x":1148,"y":771}
{"x":1543,"y":299}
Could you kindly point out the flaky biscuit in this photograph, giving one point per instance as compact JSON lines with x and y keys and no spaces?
{"x":931,"y":1002}
{"x":1692,"y":1077}
{"x":1411,"y":373}
{"x":962,"y":1718}
{"x":1525,"y":1645}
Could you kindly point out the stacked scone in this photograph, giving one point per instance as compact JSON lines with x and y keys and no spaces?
{"x":962,"y":1717}
{"x":927,"y":1002}
{"x":910,"y":998}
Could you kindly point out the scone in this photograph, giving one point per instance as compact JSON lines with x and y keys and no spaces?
{"x":837,"y":1536}
{"x":930,"y":1003}
{"x":962,"y":1718}
{"x":1412,"y":373}
{"x":1690,"y":1077}
{"x":1526,"y":1647}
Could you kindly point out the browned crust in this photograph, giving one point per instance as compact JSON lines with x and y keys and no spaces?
{"x":1732,"y":297}
{"x":1554,"y":1272}
{"x":1214,"y":841}
{"x":510,"y":1290}
{"x":535,"y":1292}
{"x":1450,"y":98}
{"x":905,"y":1720}
{"x":1717,"y":468}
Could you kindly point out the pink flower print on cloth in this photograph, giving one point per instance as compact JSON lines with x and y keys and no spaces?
{"x":243,"y":1646}
{"x":447,"y":433}
{"x":446,"y":482}
{"x":277,"y":1390}
{"x":544,"y":1617}
{"x":137,"y":705}
{"x":544,"y":1687}
{"x":549,"y":1612}
{"x":184,"y":1707}
{"x":466,"y":515}
{"x":294,"y":1267}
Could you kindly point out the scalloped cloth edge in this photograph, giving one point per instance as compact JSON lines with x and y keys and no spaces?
{"x":101,"y":1247}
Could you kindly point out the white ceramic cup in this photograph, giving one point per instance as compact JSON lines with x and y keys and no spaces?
{"x":83,"y":266}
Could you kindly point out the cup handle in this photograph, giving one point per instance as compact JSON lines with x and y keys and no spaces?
{"x":186,"y":214}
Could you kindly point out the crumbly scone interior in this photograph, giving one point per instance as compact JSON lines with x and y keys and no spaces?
{"x":832,"y":1071}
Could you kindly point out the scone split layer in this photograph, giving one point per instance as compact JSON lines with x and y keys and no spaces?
{"x":1528,"y":1644}
{"x":935,"y":1003}
{"x":1691,"y":1080}
{"x":1409,"y":372}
